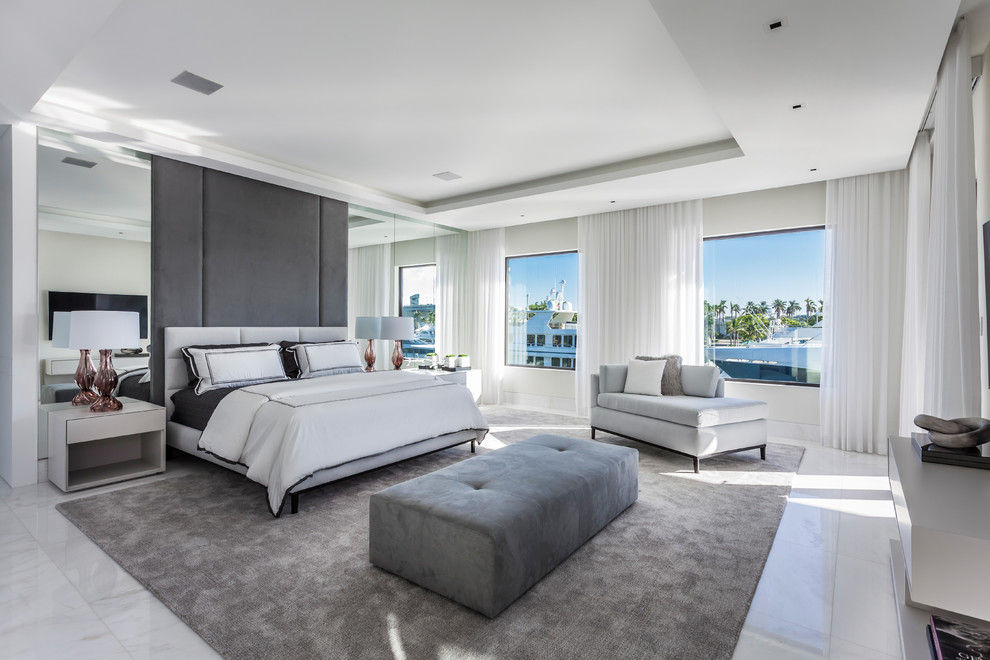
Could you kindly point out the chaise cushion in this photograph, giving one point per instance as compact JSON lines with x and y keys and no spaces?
{"x":612,"y":377}
{"x":699,"y":380}
{"x":687,"y":410}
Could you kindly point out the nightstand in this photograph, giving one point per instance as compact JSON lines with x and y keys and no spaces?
{"x":87,"y":449}
{"x":471,"y":378}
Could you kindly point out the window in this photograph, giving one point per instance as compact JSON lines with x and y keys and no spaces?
{"x":763,"y":305}
{"x":541,"y":321}
{"x":417,"y":285}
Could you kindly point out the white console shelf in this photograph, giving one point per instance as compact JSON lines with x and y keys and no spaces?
{"x":939,"y":565}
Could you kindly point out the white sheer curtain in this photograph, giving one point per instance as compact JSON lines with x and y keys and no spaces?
{"x":952,"y":383}
{"x":484,"y":310}
{"x":641,"y":287}
{"x":471,"y":303}
{"x":453,"y":279}
{"x":369,"y":274}
{"x":916,"y":284}
{"x":865,"y":226}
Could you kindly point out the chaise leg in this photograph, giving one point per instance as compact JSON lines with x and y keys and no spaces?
{"x":763,"y":453}
{"x":697,"y":465}
{"x":294,"y":498}
{"x":472,"y":446}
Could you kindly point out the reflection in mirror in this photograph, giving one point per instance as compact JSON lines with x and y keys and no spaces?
{"x":392,"y":272}
{"x":94,"y":245}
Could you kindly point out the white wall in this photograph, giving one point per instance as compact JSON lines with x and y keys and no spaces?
{"x":18,"y":305}
{"x":111,"y":266}
{"x":765,"y":210}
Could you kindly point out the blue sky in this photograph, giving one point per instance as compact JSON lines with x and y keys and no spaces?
{"x":537,"y":275}
{"x":789,"y":266}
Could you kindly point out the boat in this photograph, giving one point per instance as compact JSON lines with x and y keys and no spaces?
{"x":544,"y":337}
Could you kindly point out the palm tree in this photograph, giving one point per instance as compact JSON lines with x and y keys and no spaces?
{"x":734,"y":309}
{"x":793,"y":308}
{"x":809,"y":307}
{"x":752,"y":308}
{"x":779,"y":307}
{"x":764,"y":309}
{"x":719,"y":310}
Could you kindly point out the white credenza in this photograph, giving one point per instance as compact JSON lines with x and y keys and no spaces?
{"x":940,"y":561}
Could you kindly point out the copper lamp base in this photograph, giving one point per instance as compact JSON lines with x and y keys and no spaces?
{"x":369,"y":356}
{"x":85,"y":375}
{"x":106,"y":381}
{"x":397,"y":355}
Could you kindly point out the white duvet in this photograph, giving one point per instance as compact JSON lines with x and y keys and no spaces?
{"x":284,"y":432}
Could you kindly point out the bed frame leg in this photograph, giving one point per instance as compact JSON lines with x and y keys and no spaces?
{"x":593,"y":429}
{"x":697,"y":464}
{"x":294,"y":498}
{"x":472,"y":446}
{"x":763,"y":453}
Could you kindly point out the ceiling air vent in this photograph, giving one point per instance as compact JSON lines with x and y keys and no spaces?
{"x":69,"y":160}
{"x":447,"y":176}
{"x":196,"y":83}
{"x":776,"y":25}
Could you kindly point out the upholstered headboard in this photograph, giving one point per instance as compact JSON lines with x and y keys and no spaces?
{"x":176,"y":376}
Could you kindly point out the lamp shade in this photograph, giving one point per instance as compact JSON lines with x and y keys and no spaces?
{"x":60,"y":329}
{"x":397,"y":327}
{"x":368,"y":327}
{"x":103,"y":329}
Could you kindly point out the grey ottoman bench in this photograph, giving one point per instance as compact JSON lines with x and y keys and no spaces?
{"x":485,"y":530}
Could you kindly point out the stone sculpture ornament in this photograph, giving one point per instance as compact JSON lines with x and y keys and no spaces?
{"x":959,"y":433}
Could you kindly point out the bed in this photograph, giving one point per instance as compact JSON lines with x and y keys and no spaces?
{"x":292,"y":436}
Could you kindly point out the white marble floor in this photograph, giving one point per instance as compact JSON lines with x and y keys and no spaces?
{"x":826,"y":590}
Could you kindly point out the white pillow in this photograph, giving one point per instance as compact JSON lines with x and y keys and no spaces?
{"x":339,"y":357}
{"x":217,"y":368}
{"x":644,"y":377}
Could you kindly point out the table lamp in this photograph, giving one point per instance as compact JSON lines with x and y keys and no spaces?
{"x":85,"y":372}
{"x":399,"y":328}
{"x":370,"y":328}
{"x":104,"y":328}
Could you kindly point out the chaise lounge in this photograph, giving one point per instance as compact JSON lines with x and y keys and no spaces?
{"x":701,"y":423}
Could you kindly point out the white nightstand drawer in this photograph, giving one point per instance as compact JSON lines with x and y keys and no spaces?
{"x":94,"y":428}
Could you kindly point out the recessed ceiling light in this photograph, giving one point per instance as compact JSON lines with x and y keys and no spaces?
{"x":447,"y":176}
{"x":196,"y":83}
{"x":776,"y":25}
{"x":70,"y":160}
{"x":797,"y":106}
{"x":612,"y":202}
{"x":813,"y":169}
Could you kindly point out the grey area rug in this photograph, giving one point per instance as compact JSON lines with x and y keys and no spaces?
{"x":671,"y":577}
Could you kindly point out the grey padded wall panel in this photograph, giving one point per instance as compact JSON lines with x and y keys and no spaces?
{"x":333,"y":262}
{"x":261,"y":253}
{"x":231,"y":251}
{"x":176,"y":256}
